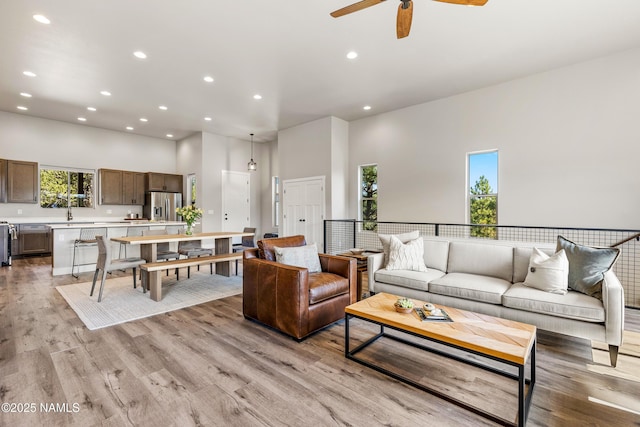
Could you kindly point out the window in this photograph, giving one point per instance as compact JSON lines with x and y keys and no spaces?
{"x":369,"y":196}
{"x":275,"y":201}
{"x":191,"y":189}
{"x":62,"y":188}
{"x":483,"y":193}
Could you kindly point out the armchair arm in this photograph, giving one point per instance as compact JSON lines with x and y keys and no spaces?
{"x":374,"y":263}
{"x":613,"y":301}
{"x":345,"y":267}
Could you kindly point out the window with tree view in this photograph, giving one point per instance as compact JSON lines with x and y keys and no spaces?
{"x":483,"y":193}
{"x":62,"y":188}
{"x":369,"y":196}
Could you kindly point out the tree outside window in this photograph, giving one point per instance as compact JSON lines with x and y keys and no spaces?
{"x":369,"y":196}
{"x":60,"y":188}
{"x":483,"y":194}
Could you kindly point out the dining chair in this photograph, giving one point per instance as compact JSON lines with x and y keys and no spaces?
{"x":247,"y":243}
{"x":106,"y":265}
{"x":194,"y":249}
{"x":164,"y":249}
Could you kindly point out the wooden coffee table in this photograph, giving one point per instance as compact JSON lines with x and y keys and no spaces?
{"x":505,"y":341}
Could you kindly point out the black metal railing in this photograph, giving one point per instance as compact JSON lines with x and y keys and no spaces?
{"x":342,"y":235}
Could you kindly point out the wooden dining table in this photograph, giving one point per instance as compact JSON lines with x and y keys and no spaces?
{"x":149,"y":251}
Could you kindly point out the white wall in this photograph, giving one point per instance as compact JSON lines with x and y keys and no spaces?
{"x":567,"y":140}
{"x":318,"y":148}
{"x":55,"y":143}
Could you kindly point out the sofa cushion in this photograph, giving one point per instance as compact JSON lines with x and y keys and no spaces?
{"x":471,"y":286}
{"x":409,"y":279}
{"x":587,"y":266}
{"x":573,"y":305}
{"x":265,"y":246}
{"x":299,"y":256}
{"x":548,"y":273}
{"x":385,"y":239}
{"x":521,"y":258}
{"x":436,"y":253}
{"x":409,"y":256}
{"x":323,"y":286}
{"x":481,"y":259}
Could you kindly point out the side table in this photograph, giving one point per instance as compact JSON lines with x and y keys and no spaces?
{"x":361,"y":266}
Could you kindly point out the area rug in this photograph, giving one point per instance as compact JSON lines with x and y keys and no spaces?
{"x":121,"y":303}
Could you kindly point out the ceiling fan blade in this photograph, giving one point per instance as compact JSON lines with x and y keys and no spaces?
{"x":405,"y":15}
{"x":355,"y":7}
{"x":465,"y":2}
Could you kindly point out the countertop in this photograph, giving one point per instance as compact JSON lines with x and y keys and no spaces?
{"x":111,"y":224}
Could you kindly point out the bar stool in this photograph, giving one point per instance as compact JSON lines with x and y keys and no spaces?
{"x":131,"y":232}
{"x":87,"y":239}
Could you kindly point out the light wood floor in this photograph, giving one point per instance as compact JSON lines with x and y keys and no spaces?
{"x":207,"y":365}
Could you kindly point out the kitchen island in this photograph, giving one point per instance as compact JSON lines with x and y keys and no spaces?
{"x":63,"y":236}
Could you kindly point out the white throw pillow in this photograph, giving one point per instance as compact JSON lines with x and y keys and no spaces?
{"x":548,"y":273}
{"x":385,"y":239}
{"x":409,"y":256}
{"x":300,"y":256}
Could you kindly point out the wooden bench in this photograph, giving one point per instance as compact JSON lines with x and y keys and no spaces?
{"x":189,"y":262}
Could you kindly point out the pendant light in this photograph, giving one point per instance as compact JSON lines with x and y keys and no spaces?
{"x":252,"y":166}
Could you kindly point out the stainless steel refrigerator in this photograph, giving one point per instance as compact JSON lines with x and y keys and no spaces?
{"x":159,"y":206}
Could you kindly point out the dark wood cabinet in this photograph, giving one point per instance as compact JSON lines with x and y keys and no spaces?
{"x":110,"y":187}
{"x":22,"y":182}
{"x":133,"y":185}
{"x":3,"y":181}
{"x":164,"y":182}
{"x":33,"y":239}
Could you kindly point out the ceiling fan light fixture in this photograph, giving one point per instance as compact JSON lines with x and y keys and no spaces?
{"x":252,"y":166}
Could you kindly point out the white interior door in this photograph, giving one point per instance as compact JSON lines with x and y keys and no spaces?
{"x":303,"y":206}
{"x":236,"y":212}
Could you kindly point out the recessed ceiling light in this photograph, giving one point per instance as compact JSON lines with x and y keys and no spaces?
{"x":22,"y":107}
{"x":105,"y":93}
{"x":82,"y":119}
{"x":163,"y":107}
{"x":42,"y":19}
{"x":143,"y":119}
{"x":140,"y":54}
{"x":367,"y":107}
{"x":129,"y":128}
{"x":25,"y":94}
{"x":169,"y":135}
{"x":208,"y":119}
{"x":257,"y":96}
{"x":208,"y":79}
{"x":352,"y":55}
{"x":29,"y":73}
{"x":92,"y":109}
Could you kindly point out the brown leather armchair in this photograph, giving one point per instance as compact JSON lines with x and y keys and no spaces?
{"x":289,"y":298}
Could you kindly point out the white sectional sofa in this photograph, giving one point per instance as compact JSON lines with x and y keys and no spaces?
{"x":487,"y":278}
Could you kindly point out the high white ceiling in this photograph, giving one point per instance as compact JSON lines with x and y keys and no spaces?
{"x":291,"y":52}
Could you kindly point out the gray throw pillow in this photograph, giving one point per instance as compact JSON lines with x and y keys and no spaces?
{"x":587,"y":266}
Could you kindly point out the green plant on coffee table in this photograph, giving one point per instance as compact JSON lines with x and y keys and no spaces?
{"x":404,"y":303}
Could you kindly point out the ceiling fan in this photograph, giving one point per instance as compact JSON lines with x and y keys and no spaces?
{"x":405,"y":11}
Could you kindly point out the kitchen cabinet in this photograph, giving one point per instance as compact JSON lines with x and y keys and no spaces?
{"x":133,"y":185}
{"x":33,"y":239}
{"x":22,"y":182}
{"x":3,"y":181}
{"x":110,"y":187}
{"x":164,"y":182}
